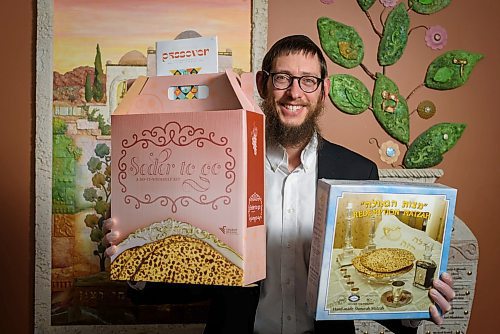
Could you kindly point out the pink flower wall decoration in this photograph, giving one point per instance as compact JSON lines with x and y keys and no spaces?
{"x":436,"y":37}
{"x":389,"y":152}
{"x":389,"y":3}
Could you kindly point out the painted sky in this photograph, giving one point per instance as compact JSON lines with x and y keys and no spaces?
{"x":125,"y":25}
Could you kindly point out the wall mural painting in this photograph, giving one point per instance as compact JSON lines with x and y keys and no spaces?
{"x":97,"y":47}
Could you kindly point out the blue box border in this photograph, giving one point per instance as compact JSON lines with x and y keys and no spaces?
{"x":336,"y":190}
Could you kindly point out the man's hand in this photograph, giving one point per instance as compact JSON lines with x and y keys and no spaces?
{"x":442,"y":294}
{"x":110,"y":237}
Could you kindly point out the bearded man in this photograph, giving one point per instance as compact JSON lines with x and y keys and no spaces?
{"x":294,"y":84}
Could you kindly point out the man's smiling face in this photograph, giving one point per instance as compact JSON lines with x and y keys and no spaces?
{"x":293,"y":104}
{"x":292,"y":114}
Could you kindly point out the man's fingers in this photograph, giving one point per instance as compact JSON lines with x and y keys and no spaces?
{"x":440,"y":300}
{"x":108,"y":225}
{"x":435,"y":316}
{"x":112,"y":237}
{"x":445,"y":277}
{"x":442,"y":294}
{"x":445,"y":288}
{"x":109,"y":241}
{"x":110,"y":251}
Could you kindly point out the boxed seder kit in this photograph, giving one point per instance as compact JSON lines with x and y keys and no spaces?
{"x":188,"y":181}
{"x":376,"y":248}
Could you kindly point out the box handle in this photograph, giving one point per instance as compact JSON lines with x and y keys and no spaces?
{"x":187,"y":92}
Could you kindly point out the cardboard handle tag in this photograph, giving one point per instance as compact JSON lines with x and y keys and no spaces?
{"x":188,"y":92}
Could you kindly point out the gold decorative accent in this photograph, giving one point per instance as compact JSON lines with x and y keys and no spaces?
{"x":462,"y":63}
{"x":389,"y":97}
{"x":426,"y":109}
{"x":347,"y":51}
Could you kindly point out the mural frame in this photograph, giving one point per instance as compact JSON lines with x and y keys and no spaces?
{"x":43,"y":173}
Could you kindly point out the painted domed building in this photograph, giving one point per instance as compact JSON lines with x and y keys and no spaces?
{"x":131,"y":65}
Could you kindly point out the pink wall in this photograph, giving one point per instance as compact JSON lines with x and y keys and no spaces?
{"x":471,"y":166}
{"x":16,"y":161}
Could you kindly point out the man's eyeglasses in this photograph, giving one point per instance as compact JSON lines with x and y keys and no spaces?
{"x":282,"y":81}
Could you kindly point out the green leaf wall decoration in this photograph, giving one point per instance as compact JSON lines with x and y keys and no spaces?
{"x":427,"y":6}
{"x":365,"y":4}
{"x":341,"y":43}
{"x":349,"y":94}
{"x":344,"y":46}
{"x":428,"y":149}
{"x":391,"y":109}
{"x":395,"y":36}
{"x":451,"y":69}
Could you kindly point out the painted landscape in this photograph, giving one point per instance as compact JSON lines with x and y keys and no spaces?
{"x":99,"y":47}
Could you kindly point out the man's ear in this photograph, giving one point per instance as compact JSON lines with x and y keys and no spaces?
{"x":326,"y":87}
{"x":261,"y":83}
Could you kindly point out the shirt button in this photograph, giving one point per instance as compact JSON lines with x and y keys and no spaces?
{"x":288,"y":245}
{"x":289,"y":317}
{"x":291,"y":210}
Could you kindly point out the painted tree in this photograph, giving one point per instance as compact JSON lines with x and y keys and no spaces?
{"x":98,"y":88}
{"x":100,"y":195}
{"x":88,"y":88}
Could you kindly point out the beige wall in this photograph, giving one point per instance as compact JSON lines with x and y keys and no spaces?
{"x":472,"y":166}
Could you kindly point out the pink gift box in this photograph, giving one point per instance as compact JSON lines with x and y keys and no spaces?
{"x":188,"y":160}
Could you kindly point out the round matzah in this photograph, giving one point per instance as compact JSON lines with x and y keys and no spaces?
{"x":177,"y":259}
{"x":373,"y":274}
{"x":386,"y":260}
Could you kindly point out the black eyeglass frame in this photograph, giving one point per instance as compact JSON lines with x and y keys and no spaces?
{"x":292,"y":77}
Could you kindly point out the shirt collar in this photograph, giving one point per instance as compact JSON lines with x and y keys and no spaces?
{"x":308,"y":156}
{"x":277,"y":157}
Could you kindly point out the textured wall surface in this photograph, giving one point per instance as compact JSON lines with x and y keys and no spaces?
{"x":471,"y":166}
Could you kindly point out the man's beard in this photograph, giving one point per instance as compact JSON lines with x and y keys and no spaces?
{"x":289,"y":135}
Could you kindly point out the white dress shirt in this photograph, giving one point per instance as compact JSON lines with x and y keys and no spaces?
{"x":289,"y":209}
